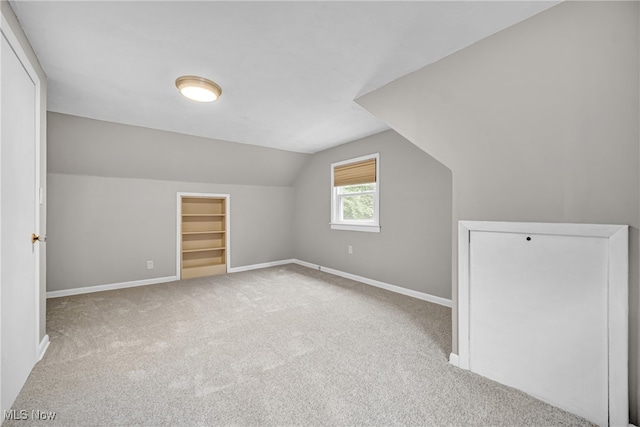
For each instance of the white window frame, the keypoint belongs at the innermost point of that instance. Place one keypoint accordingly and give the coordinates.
(336, 223)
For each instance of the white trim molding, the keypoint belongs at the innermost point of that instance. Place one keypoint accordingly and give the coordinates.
(307, 264)
(354, 227)
(42, 348)
(453, 359)
(393, 288)
(369, 227)
(258, 266)
(109, 287)
(155, 281)
(617, 294)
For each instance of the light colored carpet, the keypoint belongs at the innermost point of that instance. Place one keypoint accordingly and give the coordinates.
(279, 346)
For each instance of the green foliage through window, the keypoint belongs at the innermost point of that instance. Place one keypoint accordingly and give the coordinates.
(357, 206)
(358, 188)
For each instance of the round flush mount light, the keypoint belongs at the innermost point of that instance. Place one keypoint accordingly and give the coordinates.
(198, 88)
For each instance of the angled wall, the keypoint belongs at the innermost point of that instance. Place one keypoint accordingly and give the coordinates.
(82, 146)
(413, 247)
(539, 122)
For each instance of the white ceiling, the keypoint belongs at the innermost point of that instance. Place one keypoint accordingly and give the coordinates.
(289, 71)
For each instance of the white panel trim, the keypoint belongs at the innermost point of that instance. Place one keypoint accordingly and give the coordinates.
(618, 304)
(453, 359)
(179, 226)
(42, 349)
(393, 288)
(561, 229)
(261, 265)
(463, 295)
(109, 287)
(618, 312)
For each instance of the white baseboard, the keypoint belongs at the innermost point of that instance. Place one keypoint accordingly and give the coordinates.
(100, 288)
(307, 264)
(393, 288)
(42, 348)
(257, 266)
(145, 282)
(453, 359)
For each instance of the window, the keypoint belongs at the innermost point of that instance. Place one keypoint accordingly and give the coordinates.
(355, 191)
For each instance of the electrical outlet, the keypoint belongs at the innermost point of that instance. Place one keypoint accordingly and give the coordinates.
(350, 248)
(149, 265)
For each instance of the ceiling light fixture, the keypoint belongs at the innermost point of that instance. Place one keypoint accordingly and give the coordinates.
(198, 88)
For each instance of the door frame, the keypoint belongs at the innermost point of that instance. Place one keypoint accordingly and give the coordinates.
(7, 32)
(617, 291)
(227, 233)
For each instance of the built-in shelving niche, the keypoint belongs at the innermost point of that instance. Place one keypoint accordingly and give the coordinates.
(203, 236)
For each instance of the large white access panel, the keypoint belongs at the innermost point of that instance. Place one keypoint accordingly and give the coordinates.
(537, 308)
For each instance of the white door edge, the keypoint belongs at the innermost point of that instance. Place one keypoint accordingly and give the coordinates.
(7, 32)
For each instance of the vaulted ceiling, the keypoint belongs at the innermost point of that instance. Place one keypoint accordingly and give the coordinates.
(289, 71)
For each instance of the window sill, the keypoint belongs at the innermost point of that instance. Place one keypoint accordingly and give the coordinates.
(356, 227)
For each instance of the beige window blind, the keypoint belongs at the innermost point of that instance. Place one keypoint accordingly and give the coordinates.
(355, 173)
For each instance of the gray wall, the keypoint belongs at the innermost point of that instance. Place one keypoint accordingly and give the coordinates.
(104, 230)
(82, 146)
(112, 205)
(539, 122)
(7, 12)
(413, 249)
(112, 199)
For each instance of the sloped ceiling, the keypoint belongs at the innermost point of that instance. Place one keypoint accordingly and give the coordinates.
(289, 70)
